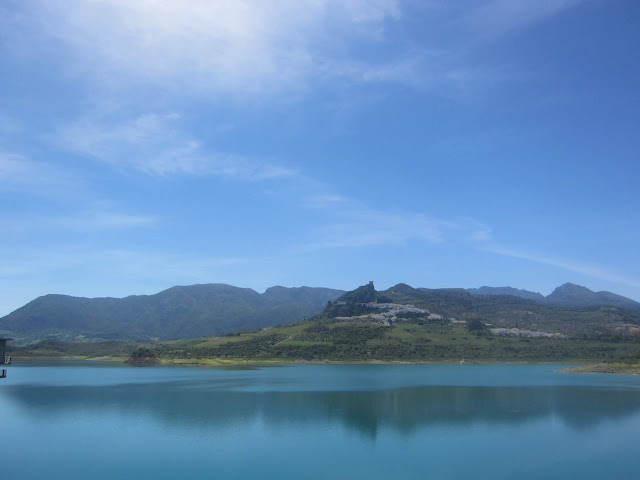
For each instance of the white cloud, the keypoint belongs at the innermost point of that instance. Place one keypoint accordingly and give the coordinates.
(239, 47)
(154, 144)
(251, 50)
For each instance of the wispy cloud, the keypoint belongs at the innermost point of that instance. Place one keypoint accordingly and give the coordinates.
(85, 221)
(327, 200)
(479, 232)
(240, 47)
(353, 224)
(379, 228)
(156, 145)
(582, 268)
(18, 173)
(16, 169)
(170, 267)
(494, 18)
(129, 263)
(254, 50)
(104, 220)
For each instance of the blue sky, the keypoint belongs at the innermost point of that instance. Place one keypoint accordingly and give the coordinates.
(145, 144)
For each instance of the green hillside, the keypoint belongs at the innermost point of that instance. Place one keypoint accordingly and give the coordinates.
(179, 312)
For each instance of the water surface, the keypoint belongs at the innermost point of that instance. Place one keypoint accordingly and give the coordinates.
(79, 420)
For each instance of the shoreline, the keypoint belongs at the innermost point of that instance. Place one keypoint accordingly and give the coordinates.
(579, 365)
(616, 368)
(241, 361)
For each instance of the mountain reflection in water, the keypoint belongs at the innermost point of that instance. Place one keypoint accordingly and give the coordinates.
(200, 404)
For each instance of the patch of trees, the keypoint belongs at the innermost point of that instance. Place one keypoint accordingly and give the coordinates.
(334, 310)
(476, 326)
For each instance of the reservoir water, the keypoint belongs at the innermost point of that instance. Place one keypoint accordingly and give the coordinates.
(105, 421)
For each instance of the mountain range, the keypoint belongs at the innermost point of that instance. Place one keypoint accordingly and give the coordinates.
(179, 312)
(567, 295)
(213, 309)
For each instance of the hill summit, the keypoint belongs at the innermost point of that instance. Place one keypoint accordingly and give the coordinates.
(577, 296)
(364, 294)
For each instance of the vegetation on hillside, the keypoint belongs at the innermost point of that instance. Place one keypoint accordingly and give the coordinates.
(402, 324)
(600, 322)
(179, 312)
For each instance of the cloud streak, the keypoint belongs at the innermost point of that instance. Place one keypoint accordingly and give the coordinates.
(589, 270)
(494, 18)
(83, 222)
(355, 225)
(372, 228)
(154, 144)
(171, 267)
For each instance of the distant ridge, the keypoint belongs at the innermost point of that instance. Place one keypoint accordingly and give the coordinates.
(567, 295)
(576, 296)
(178, 312)
(403, 324)
(214, 309)
(506, 291)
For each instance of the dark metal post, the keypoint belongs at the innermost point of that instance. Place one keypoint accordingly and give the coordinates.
(4, 359)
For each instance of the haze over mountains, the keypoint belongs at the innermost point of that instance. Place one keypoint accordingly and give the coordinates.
(212, 309)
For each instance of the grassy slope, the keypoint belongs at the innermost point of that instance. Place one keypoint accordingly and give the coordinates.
(327, 339)
(348, 341)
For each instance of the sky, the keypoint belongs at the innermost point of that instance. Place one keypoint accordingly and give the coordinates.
(146, 144)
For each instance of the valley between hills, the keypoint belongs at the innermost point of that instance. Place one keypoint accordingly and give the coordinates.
(400, 324)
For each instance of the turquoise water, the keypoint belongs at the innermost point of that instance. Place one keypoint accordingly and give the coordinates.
(99, 421)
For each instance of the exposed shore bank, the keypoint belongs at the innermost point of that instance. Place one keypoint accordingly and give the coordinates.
(581, 366)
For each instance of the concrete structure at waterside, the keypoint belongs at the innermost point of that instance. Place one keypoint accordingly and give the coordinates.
(4, 359)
